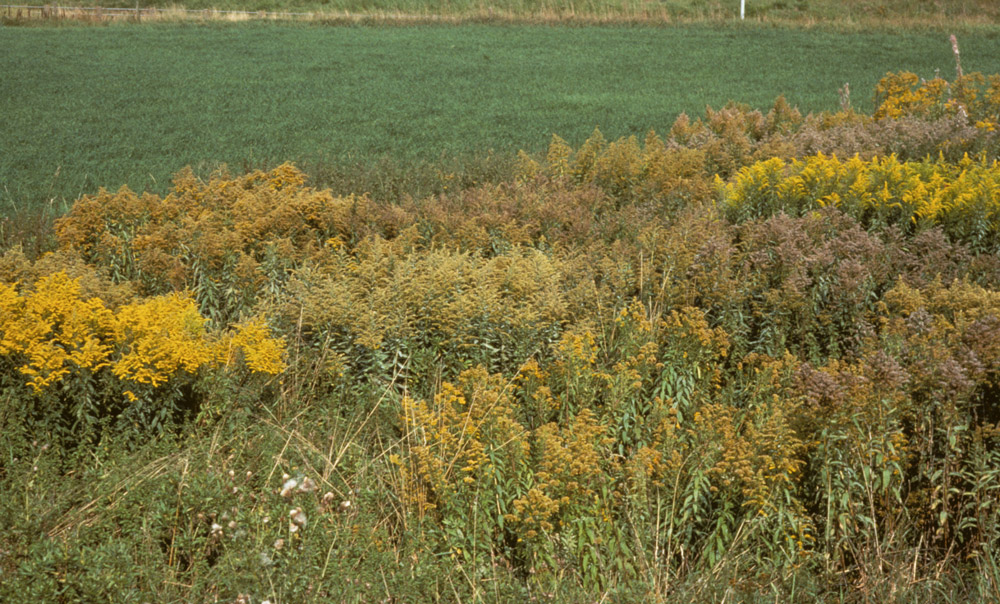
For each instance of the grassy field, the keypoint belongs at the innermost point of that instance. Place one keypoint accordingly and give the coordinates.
(92, 107)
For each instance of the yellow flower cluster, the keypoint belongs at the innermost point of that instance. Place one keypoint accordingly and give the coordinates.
(905, 93)
(622, 167)
(160, 337)
(54, 332)
(963, 197)
(242, 232)
(972, 96)
(384, 292)
(569, 473)
(466, 434)
(54, 329)
(262, 353)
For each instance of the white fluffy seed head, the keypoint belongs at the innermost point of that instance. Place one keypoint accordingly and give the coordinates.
(308, 485)
(297, 517)
(288, 487)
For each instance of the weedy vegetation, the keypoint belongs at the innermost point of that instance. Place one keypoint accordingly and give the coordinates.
(843, 14)
(753, 357)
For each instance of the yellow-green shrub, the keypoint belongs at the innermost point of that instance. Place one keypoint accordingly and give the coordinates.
(962, 197)
(127, 360)
(387, 304)
(464, 459)
(227, 240)
(624, 169)
(972, 95)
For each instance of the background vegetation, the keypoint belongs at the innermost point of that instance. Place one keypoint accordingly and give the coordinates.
(841, 13)
(90, 107)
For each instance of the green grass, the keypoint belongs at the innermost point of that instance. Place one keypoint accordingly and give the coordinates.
(91, 107)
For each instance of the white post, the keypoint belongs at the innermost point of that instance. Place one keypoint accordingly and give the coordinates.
(742, 4)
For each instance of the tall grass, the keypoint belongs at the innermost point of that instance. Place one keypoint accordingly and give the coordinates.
(841, 14)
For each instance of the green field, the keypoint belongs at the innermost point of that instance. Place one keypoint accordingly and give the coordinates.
(101, 107)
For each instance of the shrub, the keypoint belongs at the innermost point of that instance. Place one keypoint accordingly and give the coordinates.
(973, 96)
(84, 367)
(411, 315)
(228, 241)
(879, 193)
